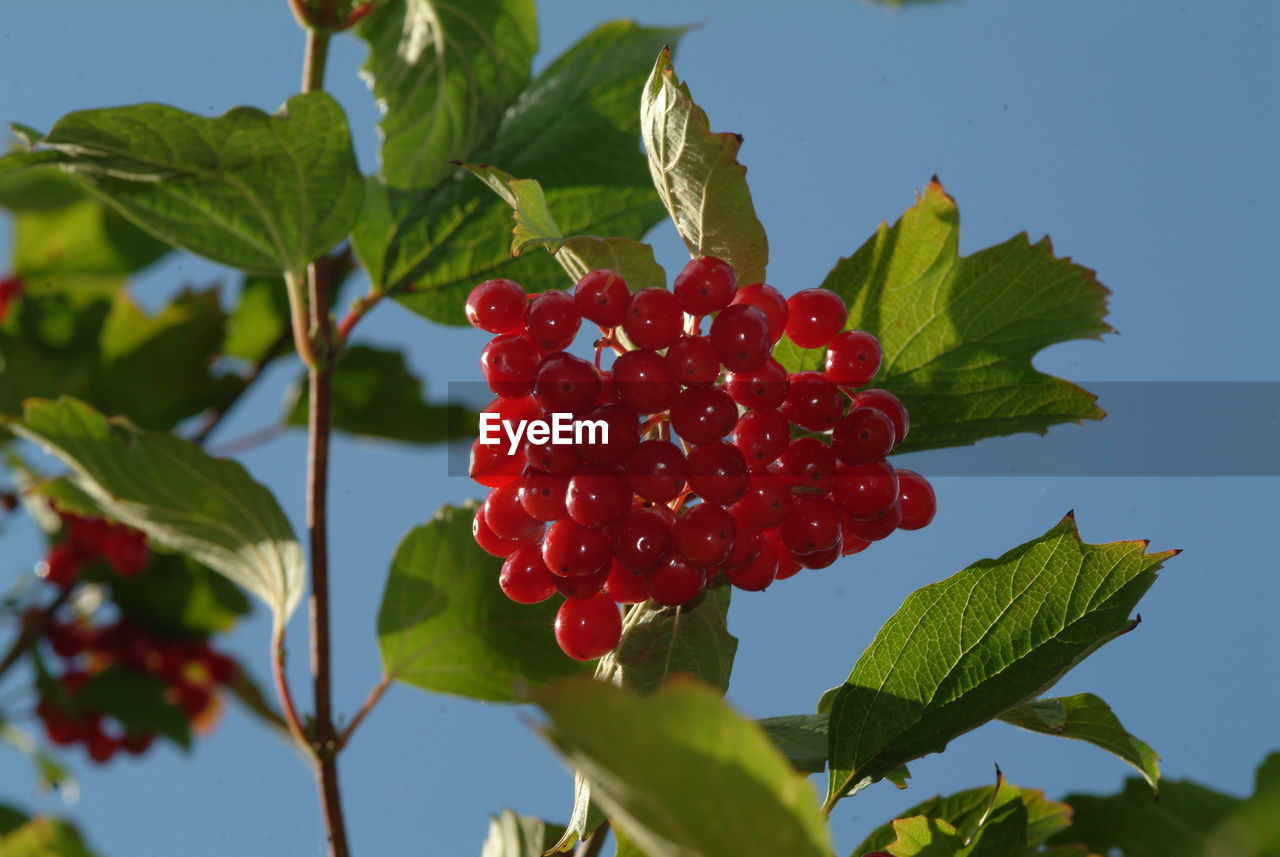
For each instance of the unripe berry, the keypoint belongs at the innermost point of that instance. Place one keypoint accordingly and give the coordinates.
(497, 306)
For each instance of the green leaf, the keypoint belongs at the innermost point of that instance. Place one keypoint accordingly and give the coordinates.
(177, 494)
(178, 596)
(444, 73)
(536, 226)
(375, 395)
(18, 163)
(260, 323)
(137, 700)
(267, 194)
(682, 772)
(84, 237)
(1188, 820)
(924, 837)
(698, 176)
(1086, 717)
(43, 836)
(446, 241)
(959, 333)
(42, 189)
(512, 835)
(960, 652)
(445, 626)
(802, 738)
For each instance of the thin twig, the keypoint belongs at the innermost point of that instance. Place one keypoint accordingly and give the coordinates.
(371, 701)
(287, 709)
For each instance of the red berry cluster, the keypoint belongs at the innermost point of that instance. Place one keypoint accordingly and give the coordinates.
(87, 540)
(191, 670)
(802, 482)
(10, 290)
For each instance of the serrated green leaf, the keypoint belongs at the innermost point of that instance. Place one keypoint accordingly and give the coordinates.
(375, 395)
(512, 835)
(537, 227)
(137, 701)
(444, 73)
(919, 836)
(264, 193)
(177, 494)
(698, 176)
(447, 240)
(684, 774)
(1086, 717)
(960, 652)
(959, 333)
(445, 626)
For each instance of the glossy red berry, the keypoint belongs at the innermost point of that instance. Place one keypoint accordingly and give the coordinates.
(508, 364)
(126, 551)
(812, 402)
(602, 297)
(890, 405)
(809, 465)
(615, 440)
(566, 384)
(506, 516)
(812, 525)
(866, 491)
(705, 285)
(656, 470)
(853, 358)
(588, 628)
(553, 320)
(497, 306)
(704, 535)
(542, 495)
(137, 743)
(740, 334)
(864, 435)
(583, 585)
(769, 301)
(814, 317)
(746, 541)
(572, 550)
(643, 539)
(525, 578)
(693, 361)
(822, 558)
(645, 384)
(491, 465)
(757, 574)
(879, 527)
(62, 565)
(761, 436)
(654, 319)
(764, 388)
(598, 496)
(626, 587)
(787, 564)
(717, 472)
(766, 501)
(851, 542)
(916, 499)
(676, 582)
(87, 535)
(703, 414)
(101, 746)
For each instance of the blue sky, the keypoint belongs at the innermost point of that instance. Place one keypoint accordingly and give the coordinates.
(1140, 136)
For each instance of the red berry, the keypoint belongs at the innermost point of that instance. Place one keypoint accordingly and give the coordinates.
(788, 566)
(193, 699)
(717, 472)
(86, 535)
(489, 541)
(809, 465)
(497, 306)
(622, 429)
(626, 587)
(766, 501)
(813, 402)
(740, 334)
(704, 535)
(693, 361)
(757, 574)
(598, 496)
(62, 730)
(853, 358)
(676, 582)
(508, 364)
(572, 550)
(582, 586)
(542, 495)
(705, 285)
(654, 319)
(917, 500)
(814, 317)
(812, 525)
(222, 668)
(656, 470)
(645, 384)
(608, 390)
(878, 527)
(703, 414)
(761, 436)
(566, 384)
(101, 746)
(525, 578)
(491, 465)
(553, 320)
(588, 628)
(746, 541)
(890, 405)
(62, 565)
(137, 743)
(602, 297)
(769, 301)
(866, 491)
(507, 518)
(764, 388)
(643, 539)
(68, 640)
(851, 542)
(864, 435)
(822, 558)
(126, 551)
(555, 458)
